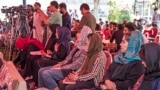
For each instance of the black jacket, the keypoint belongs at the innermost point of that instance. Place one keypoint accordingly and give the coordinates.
(125, 75)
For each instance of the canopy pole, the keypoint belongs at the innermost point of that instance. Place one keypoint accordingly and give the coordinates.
(24, 3)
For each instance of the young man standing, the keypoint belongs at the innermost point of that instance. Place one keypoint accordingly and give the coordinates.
(54, 18)
(66, 19)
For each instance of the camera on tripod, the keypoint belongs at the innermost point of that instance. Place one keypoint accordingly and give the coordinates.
(14, 10)
(6, 10)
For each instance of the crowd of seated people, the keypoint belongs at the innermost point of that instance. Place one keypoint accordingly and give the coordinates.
(34, 55)
(72, 62)
(127, 66)
(124, 72)
(56, 65)
(61, 50)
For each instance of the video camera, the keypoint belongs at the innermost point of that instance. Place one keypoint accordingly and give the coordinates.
(15, 9)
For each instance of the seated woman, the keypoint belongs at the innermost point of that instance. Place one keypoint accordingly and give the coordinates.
(49, 46)
(61, 50)
(72, 62)
(36, 54)
(149, 53)
(26, 45)
(92, 71)
(127, 67)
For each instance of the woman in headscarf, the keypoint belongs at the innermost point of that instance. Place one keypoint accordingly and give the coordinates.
(62, 47)
(149, 53)
(127, 67)
(72, 62)
(52, 37)
(26, 45)
(92, 70)
(61, 50)
(37, 54)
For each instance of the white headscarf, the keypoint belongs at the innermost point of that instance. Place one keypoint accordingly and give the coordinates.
(82, 42)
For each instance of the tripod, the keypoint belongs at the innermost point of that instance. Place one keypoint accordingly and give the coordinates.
(19, 29)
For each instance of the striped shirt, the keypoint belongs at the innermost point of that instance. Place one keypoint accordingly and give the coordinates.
(74, 60)
(98, 70)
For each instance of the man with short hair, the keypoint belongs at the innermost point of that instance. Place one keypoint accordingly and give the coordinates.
(54, 18)
(38, 32)
(66, 19)
(87, 19)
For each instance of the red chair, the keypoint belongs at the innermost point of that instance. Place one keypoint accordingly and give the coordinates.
(109, 59)
(137, 84)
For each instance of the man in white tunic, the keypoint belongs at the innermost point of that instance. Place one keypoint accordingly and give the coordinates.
(38, 32)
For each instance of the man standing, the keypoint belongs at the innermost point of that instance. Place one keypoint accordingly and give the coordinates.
(156, 17)
(54, 18)
(49, 13)
(87, 19)
(38, 32)
(66, 19)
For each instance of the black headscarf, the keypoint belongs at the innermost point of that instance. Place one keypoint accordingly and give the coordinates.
(53, 27)
(150, 54)
(52, 40)
(64, 35)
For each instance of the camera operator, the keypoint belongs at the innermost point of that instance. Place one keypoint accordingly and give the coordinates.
(37, 20)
